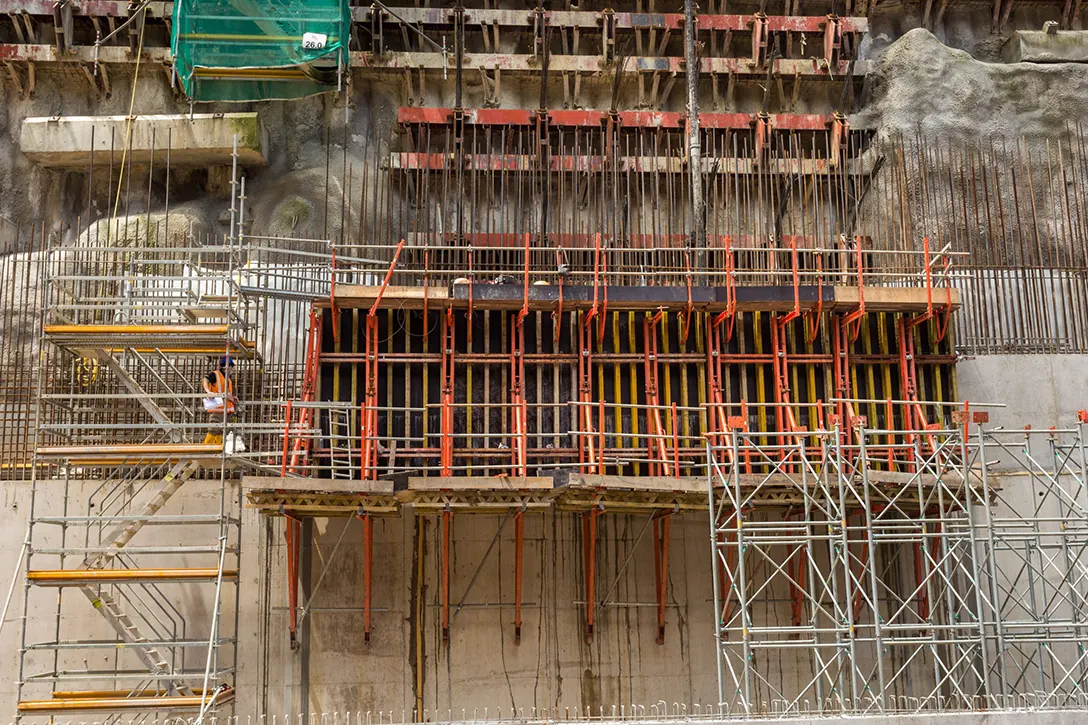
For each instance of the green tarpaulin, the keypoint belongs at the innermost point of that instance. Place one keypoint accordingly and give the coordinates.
(255, 50)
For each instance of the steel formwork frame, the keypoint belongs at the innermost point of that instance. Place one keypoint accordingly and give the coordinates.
(919, 577)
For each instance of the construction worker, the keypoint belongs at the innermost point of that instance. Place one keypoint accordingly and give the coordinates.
(220, 388)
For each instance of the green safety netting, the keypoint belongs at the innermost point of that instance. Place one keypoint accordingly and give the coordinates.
(255, 50)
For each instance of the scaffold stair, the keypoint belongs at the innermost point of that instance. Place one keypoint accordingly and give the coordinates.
(122, 623)
(120, 536)
(113, 543)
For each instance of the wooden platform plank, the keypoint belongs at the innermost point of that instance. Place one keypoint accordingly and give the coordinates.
(109, 704)
(107, 455)
(479, 483)
(655, 484)
(402, 297)
(895, 299)
(136, 330)
(339, 487)
(59, 577)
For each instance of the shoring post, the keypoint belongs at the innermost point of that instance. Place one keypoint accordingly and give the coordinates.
(716, 401)
(518, 411)
(447, 526)
(369, 427)
(586, 454)
(914, 417)
(840, 349)
(657, 450)
(518, 415)
(783, 412)
(368, 571)
(519, 545)
(589, 554)
(781, 374)
(311, 377)
(661, 568)
(293, 532)
(446, 456)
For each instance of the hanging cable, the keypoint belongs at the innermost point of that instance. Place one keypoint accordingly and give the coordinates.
(128, 119)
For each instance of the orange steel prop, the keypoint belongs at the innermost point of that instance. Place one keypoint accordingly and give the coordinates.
(661, 568)
(519, 540)
(589, 547)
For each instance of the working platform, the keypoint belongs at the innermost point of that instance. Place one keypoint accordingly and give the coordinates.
(195, 339)
(166, 703)
(81, 577)
(132, 454)
(770, 298)
(563, 491)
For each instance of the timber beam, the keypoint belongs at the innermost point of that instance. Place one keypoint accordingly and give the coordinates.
(564, 492)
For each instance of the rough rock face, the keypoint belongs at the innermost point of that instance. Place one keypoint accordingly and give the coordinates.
(184, 226)
(295, 206)
(923, 86)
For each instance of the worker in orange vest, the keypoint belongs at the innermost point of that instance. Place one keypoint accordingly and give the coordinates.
(220, 388)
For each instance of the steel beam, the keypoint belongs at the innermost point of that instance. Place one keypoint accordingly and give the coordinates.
(413, 116)
(366, 62)
(526, 63)
(592, 20)
(511, 163)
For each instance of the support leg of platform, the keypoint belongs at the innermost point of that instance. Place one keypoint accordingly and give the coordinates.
(589, 546)
(519, 541)
(368, 572)
(661, 569)
(447, 526)
(294, 549)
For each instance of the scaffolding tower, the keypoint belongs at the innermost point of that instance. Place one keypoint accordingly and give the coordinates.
(899, 570)
(130, 324)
